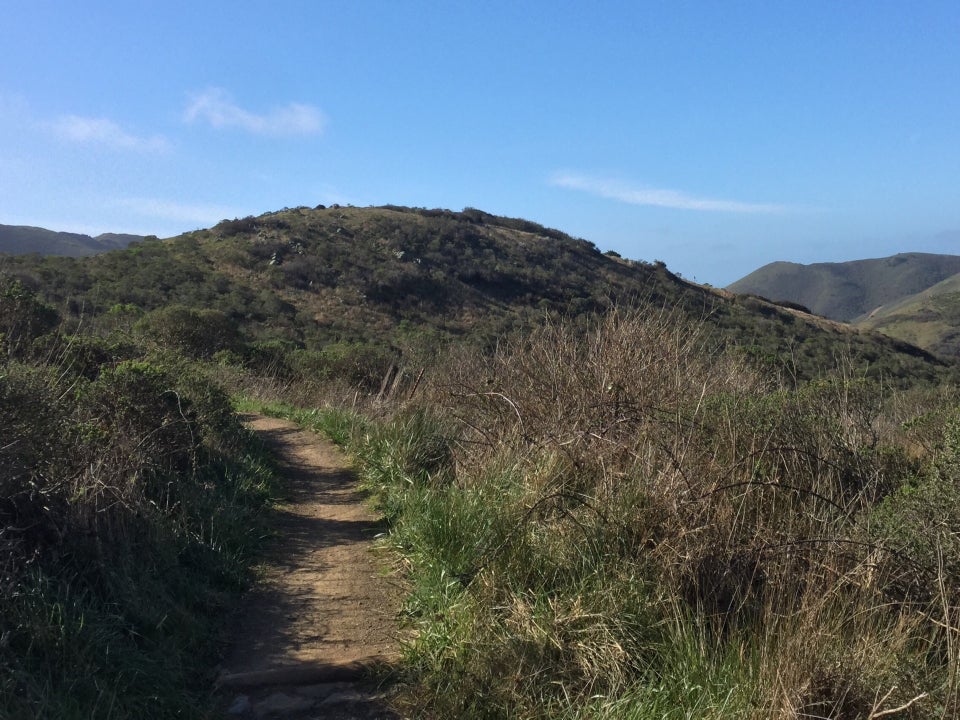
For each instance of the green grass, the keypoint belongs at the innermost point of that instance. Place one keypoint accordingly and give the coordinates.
(139, 635)
(555, 570)
(339, 424)
(930, 319)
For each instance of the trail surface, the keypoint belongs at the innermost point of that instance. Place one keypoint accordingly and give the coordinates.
(320, 626)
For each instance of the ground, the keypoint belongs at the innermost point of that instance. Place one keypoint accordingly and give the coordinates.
(319, 629)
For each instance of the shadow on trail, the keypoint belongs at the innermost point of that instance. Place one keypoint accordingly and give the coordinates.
(304, 480)
(317, 635)
(299, 536)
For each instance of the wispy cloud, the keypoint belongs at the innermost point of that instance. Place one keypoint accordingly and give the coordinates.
(215, 107)
(101, 131)
(657, 197)
(177, 212)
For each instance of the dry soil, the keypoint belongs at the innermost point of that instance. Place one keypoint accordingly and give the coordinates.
(317, 635)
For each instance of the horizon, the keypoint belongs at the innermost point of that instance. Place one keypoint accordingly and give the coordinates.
(676, 271)
(715, 139)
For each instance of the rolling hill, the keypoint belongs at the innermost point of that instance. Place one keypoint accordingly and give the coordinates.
(848, 290)
(394, 281)
(22, 239)
(929, 319)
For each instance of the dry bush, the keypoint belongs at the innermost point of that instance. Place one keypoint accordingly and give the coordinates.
(648, 469)
(641, 406)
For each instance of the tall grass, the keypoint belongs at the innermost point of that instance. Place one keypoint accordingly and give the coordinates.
(623, 522)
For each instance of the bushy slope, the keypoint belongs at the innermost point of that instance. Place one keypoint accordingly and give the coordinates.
(623, 523)
(845, 291)
(596, 481)
(22, 239)
(368, 287)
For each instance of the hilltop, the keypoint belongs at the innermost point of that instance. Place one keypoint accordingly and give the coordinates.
(847, 290)
(23, 239)
(906, 296)
(383, 282)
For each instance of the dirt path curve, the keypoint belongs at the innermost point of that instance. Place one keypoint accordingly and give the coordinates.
(321, 623)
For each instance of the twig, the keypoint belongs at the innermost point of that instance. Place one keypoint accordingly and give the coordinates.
(881, 701)
(883, 713)
(508, 400)
(769, 483)
(416, 384)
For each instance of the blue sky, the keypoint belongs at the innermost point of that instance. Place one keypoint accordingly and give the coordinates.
(716, 136)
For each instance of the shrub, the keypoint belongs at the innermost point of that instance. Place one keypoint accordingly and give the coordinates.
(241, 226)
(128, 508)
(23, 316)
(196, 333)
(623, 510)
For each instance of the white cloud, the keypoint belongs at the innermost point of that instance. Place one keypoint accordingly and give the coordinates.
(176, 212)
(215, 107)
(615, 190)
(102, 131)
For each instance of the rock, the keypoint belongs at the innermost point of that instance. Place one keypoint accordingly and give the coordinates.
(239, 706)
(347, 696)
(322, 690)
(280, 703)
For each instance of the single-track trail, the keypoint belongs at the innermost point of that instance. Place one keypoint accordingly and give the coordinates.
(320, 625)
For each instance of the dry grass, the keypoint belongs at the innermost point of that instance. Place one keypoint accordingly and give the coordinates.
(627, 523)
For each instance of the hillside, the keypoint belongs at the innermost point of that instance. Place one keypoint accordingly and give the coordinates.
(845, 291)
(649, 507)
(22, 239)
(929, 319)
(389, 282)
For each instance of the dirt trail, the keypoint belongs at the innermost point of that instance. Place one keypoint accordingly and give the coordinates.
(321, 623)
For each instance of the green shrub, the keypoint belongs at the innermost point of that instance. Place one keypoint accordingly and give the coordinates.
(196, 333)
(129, 508)
(920, 526)
(23, 316)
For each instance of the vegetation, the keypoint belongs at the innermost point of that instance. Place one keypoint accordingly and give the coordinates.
(129, 497)
(627, 523)
(613, 493)
(300, 292)
(930, 319)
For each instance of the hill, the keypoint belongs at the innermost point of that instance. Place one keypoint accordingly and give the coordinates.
(659, 482)
(22, 239)
(845, 291)
(929, 319)
(387, 284)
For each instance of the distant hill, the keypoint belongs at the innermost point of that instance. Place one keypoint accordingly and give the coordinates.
(848, 290)
(23, 239)
(929, 319)
(410, 280)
